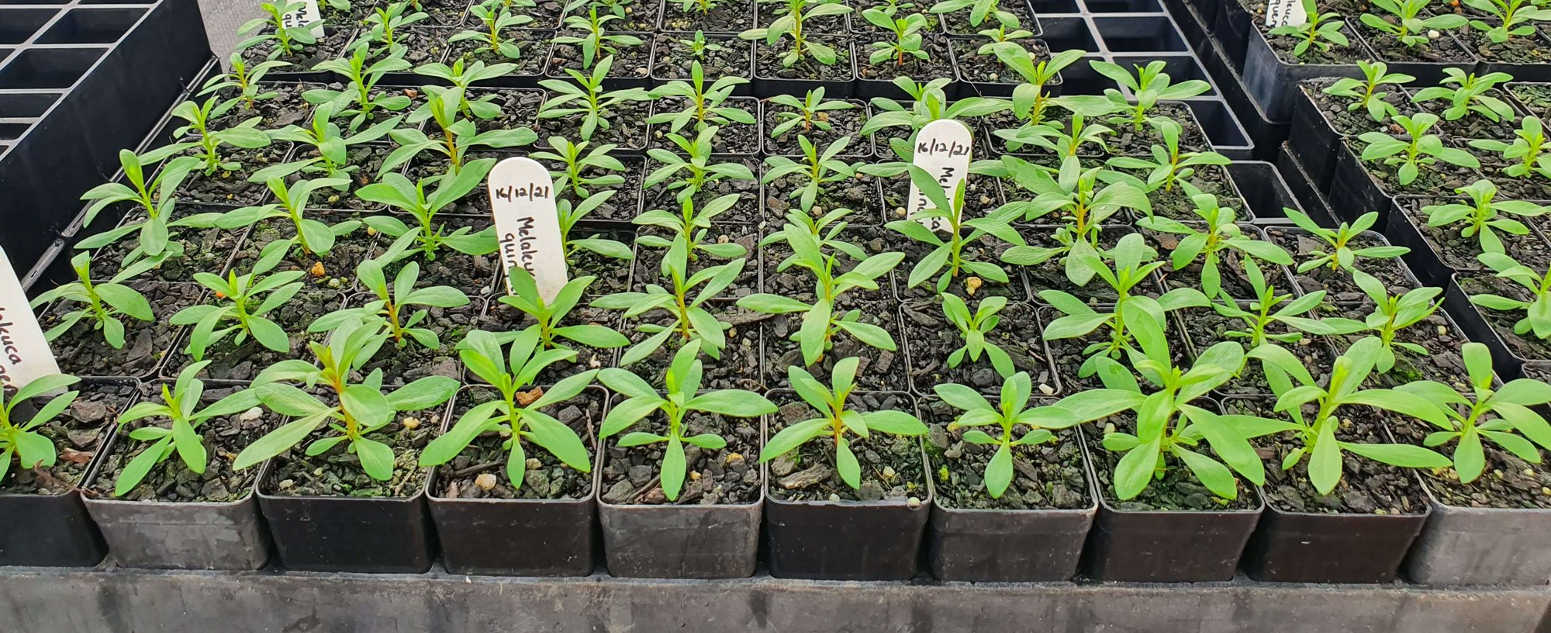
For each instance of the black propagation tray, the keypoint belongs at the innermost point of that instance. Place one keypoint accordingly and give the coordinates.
(80, 79)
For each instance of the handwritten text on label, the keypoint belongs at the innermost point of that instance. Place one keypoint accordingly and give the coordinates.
(942, 149)
(24, 352)
(522, 202)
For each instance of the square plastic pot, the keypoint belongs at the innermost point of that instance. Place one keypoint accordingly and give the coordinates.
(1313, 141)
(1273, 83)
(348, 534)
(845, 540)
(1354, 192)
(174, 535)
(1165, 546)
(48, 531)
(1474, 323)
(765, 87)
(1314, 547)
(681, 541)
(1481, 546)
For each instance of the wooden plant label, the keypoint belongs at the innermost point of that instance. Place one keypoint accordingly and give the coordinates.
(942, 150)
(522, 200)
(308, 14)
(1285, 12)
(24, 352)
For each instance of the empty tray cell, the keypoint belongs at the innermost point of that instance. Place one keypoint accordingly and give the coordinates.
(1081, 79)
(25, 104)
(16, 25)
(1047, 7)
(5, 52)
(1221, 128)
(1067, 33)
(11, 129)
(47, 67)
(1123, 6)
(92, 26)
(1139, 33)
(1178, 67)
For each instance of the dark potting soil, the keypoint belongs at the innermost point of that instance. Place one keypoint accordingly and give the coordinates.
(1442, 363)
(171, 480)
(738, 366)
(404, 362)
(1366, 486)
(630, 62)
(1230, 267)
(286, 107)
(1507, 481)
(1207, 328)
(612, 275)
(648, 262)
(639, 15)
(674, 60)
(1535, 96)
(1051, 275)
(891, 465)
(623, 206)
(981, 197)
(1129, 140)
(232, 187)
(858, 193)
(799, 283)
(846, 122)
(500, 317)
(1349, 122)
(1283, 45)
(1067, 355)
(545, 13)
(532, 50)
(204, 251)
(1046, 476)
(233, 361)
(929, 339)
(937, 64)
(82, 351)
(626, 128)
(965, 283)
(987, 68)
(1174, 201)
(1526, 346)
(77, 433)
(338, 473)
(519, 107)
(727, 17)
(1444, 48)
(729, 476)
(1519, 49)
(958, 22)
(1459, 252)
(423, 44)
(731, 137)
(1338, 283)
(443, 12)
(879, 369)
(545, 476)
(475, 275)
(367, 158)
(334, 270)
(1473, 125)
(1178, 488)
(767, 59)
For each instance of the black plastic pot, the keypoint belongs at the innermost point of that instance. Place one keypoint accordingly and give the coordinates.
(350, 534)
(1223, 130)
(1314, 141)
(515, 537)
(658, 79)
(765, 87)
(844, 540)
(1164, 546)
(1423, 259)
(648, 40)
(1505, 362)
(1302, 187)
(1266, 193)
(1522, 72)
(1481, 546)
(48, 531)
(174, 535)
(681, 541)
(1263, 135)
(1007, 545)
(1273, 82)
(1314, 547)
(1354, 192)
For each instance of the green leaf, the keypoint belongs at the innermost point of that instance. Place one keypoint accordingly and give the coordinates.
(376, 458)
(999, 472)
(791, 437)
(845, 463)
(673, 468)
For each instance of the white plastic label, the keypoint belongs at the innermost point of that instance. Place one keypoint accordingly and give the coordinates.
(308, 14)
(522, 200)
(942, 150)
(24, 352)
(1285, 12)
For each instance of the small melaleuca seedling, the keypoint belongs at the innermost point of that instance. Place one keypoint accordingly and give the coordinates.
(1484, 215)
(244, 80)
(398, 192)
(812, 112)
(360, 100)
(1536, 312)
(1215, 236)
(101, 304)
(814, 172)
(1011, 414)
(154, 197)
(580, 176)
(1320, 31)
(516, 419)
(586, 98)
(680, 397)
(457, 135)
(315, 237)
(353, 409)
(1502, 415)
(570, 214)
(692, 321)
(706, 106)
(20, 438)
(496, 19)
(792, 22)
(690, 227)
(973, 328)
(836, 420)
(1169, 166)
(1468, 94)
(288, 39)
(327, 152)
(1418, 147)
(207, 143)
(1341, 255)
(1528, 155)
(1368, 94)
(179, 406)
(1081, 204)
(548, 316)
(241, 305)
(1391, 314)
(690, 173)
(947, 255)
(401, 305)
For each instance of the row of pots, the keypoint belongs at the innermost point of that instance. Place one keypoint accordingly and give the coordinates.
(878, 540)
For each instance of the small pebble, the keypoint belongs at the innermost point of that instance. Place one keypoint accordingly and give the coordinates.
(913, 503)
(251, 414)
(485, 481)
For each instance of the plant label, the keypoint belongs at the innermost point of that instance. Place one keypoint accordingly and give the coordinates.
(522, 199)
(24, 352)
(1285, 12)
(942, 150)
(307, 14)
